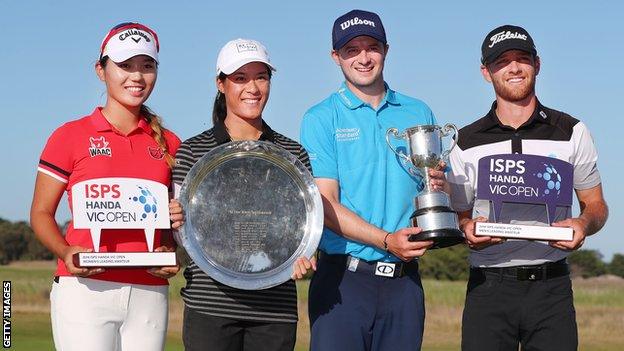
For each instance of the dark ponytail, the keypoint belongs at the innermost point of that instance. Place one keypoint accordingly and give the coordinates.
(155, 123)
(219, 110)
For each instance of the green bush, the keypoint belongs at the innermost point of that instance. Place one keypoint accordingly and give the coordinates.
(445, 264)
(616, 267)
(12, 240)
(587, 263)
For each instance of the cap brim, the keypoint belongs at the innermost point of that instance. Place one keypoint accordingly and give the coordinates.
(229, 69)
(494, 54)
(343, 41)
(124, 55)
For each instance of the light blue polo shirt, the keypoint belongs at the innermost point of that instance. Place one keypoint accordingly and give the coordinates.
(345, 139)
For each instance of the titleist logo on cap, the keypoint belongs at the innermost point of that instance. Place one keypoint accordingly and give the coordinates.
(498, 37)
(356, 21)
(241, 47)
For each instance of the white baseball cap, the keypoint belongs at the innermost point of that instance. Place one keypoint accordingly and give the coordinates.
(239, 52)
(129, 39)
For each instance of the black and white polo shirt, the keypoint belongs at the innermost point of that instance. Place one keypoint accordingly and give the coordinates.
(206, 295)
(548, 133)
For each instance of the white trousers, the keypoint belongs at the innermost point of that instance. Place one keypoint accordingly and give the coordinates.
(96, 315)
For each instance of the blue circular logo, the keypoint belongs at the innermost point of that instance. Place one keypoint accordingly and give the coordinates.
(147, 201)
(552, 180)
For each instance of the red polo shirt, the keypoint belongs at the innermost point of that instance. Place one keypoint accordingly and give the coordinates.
(90, 148)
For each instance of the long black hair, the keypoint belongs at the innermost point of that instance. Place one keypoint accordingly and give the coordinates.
(219, 110)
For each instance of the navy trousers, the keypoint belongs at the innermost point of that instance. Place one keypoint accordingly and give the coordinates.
(362, 311)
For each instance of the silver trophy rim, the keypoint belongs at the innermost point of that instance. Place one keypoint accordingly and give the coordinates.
(290, 164)
(425, 127)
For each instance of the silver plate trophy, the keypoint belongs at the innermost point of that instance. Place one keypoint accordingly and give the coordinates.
(252, 209)
(433, 207)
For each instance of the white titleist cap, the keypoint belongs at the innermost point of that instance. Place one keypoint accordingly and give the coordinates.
(130, 39)
(239, 52)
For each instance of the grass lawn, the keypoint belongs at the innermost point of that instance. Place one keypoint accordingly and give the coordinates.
(599, 305)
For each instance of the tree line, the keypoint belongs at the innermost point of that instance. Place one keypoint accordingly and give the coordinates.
(18, 243)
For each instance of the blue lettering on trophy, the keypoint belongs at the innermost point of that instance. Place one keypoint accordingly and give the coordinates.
(111, 217)
(102, 205)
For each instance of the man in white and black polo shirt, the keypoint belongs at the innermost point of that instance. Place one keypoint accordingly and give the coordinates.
(505, 305)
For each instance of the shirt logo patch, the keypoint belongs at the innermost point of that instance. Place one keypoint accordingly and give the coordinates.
(156, 152)
(347, 134)
(99, 147)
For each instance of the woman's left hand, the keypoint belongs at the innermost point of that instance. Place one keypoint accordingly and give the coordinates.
(164, 272)
(176, 214)
(301, 267)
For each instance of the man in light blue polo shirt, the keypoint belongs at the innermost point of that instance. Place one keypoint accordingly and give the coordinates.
(366, 293)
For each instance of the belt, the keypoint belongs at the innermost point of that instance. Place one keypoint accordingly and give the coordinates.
(544, 271)
(383, 269)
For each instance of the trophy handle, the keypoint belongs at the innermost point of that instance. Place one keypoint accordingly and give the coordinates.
(410, 167)
(447, 130)
(395, 133)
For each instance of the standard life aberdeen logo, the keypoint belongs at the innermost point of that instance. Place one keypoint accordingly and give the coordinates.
(530, 179)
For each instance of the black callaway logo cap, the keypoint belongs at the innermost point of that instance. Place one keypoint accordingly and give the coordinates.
(506, 38)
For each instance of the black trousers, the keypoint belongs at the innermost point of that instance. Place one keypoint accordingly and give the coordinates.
(502, 312)
(206, 332)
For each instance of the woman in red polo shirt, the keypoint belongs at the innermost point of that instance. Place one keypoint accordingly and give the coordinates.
(121, 308)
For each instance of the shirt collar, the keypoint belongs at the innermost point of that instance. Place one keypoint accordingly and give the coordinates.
(351, 101)
(102, 124)
(221, 135)
(539, 115)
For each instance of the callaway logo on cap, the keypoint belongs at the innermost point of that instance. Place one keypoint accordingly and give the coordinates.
(129, 39)
(355, 23)
(506, 38)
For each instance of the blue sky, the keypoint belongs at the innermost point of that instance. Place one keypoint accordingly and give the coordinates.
(48, 51)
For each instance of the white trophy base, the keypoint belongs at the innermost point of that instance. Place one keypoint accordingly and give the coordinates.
(124, 259)
(520, 231)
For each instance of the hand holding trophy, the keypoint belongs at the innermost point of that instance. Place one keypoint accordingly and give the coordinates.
(433, 214)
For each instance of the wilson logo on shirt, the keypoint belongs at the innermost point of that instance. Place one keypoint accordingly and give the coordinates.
(99, 147)
(156, 152)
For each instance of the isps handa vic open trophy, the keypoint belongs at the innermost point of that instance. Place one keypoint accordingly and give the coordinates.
(121, 203)
(433, 213)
